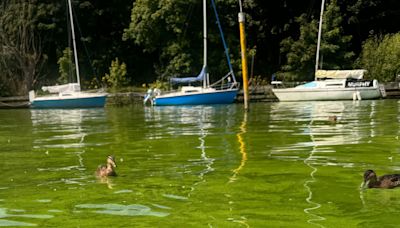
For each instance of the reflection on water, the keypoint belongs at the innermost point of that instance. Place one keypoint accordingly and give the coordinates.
(204, 159)
(165, 120)
(6, 222)
(242, 149)
(66, 124)
(62, 133)
(323, 135)
(280, 165)
(314, 205)
(123, 210)
(325, 144)
(181, 120)
(199, 120)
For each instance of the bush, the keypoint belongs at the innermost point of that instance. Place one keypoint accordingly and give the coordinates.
(117, 76)
(159, 85)
(380, 57)
(66, 67)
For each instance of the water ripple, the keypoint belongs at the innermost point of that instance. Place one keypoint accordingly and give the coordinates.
(122, 210)
(6, 222)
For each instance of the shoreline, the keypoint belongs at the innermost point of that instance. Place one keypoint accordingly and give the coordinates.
(257, 94)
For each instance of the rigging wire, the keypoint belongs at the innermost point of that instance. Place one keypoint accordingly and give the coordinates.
(223, 38)
(70, 70)
(188, 17)
(84, 45)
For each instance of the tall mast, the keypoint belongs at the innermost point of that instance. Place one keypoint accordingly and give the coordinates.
(71, 18)
(319, 35)
(205, 81)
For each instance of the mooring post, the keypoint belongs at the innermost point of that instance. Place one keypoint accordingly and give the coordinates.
(244, 57)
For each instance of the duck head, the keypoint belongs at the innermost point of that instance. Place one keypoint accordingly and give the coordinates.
(369, 177)
(332, 119)
(108, 169)
(111, 161)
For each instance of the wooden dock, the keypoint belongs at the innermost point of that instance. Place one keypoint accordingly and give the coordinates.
(122, 99)
(392, 90)
(14, 102)
(258, 94)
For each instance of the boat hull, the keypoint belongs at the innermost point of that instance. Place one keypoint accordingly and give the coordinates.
(86, 101)
(326, 94)
(204, 98)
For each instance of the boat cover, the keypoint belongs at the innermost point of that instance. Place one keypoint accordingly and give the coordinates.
(71, 87)
(188, 80)
(340, 74)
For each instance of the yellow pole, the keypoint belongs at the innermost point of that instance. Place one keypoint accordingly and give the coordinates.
(244, 60)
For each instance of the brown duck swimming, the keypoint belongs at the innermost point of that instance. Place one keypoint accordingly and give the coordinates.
(332, 119)
(385, 181)
(108, 169)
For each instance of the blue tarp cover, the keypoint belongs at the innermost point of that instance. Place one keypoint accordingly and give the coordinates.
(188, 80)
(308, 85)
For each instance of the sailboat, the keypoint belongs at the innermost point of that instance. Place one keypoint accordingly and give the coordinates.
(223, 91)
(68, 95)
(331, 84)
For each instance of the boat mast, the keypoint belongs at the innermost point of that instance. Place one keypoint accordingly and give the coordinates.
(205, 81)
(74, 43)
(319, 36)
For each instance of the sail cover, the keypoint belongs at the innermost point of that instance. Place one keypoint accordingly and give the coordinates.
(188, 80)
(71, 87)
(340, 74)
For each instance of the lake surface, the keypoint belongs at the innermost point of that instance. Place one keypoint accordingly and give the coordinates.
(280, 165)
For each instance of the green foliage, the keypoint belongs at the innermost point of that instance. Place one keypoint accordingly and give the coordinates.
(380, 57)
(172, 30)
(334, 51)
(117, 75)
(160, 26)
(300, 53)
(66, 67)
(21, 55)
(164, 38)
(159, 85)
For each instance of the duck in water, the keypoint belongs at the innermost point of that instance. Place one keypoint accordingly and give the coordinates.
(108, 169)
(385, 181)
(332, 119)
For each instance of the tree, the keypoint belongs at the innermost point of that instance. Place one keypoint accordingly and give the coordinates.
(161, 27)
(380, 57)
(21, 56)
(66, 68)
(335, 44)
(172, 29)
(300, 54)
(116, 78)
(334, 52)
(99, 27)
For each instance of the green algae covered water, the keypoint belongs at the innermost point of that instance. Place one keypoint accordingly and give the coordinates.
(280, 165)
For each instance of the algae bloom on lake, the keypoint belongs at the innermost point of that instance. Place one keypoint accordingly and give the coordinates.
(279, 165)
